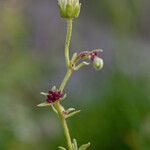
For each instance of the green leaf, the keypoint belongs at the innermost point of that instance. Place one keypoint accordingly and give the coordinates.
(53, 88)
(74, 144)
(50, 104)
(44, 104)
(85, 146)
(64, 97)
(74, 57)
(70, 110)
(62, 148)
(54, 109)
(84, 63)
(97, 50)
(72, 114)
(43, 93)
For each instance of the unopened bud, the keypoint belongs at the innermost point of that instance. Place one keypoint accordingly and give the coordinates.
(98, 63)
(69, 8)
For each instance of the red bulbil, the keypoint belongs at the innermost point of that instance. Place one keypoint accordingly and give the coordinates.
(54, 96)
(93, 55)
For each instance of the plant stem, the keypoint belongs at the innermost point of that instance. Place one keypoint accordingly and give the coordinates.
(66, 78)
(60, 113)
(68, 38)
(64, 124)
(63, 84)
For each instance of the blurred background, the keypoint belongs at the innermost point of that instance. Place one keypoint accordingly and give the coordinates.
(115, 102)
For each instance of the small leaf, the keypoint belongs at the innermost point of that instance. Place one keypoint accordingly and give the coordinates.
(64, 97)
(69, 110)
(97, 50)
(74, 57)
(44, 104)
(43, 93)
(54, 109)
(62, 148)
(53, 88)
(62, 108)
(84, 63)
(72, 114)
(85, 146)
(74, 144)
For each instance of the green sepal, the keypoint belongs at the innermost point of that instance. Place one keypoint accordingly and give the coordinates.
(62, 12)
(69, 10)
(85, 146)
(76, 11)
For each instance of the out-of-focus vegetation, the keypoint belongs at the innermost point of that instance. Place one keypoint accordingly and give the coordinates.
(114, 102)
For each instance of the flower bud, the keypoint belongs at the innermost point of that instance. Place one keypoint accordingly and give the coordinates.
(54, 95)
(69, 8)
(98, 63)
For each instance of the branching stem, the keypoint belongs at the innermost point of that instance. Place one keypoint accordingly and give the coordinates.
(63, 84)
(60, 113)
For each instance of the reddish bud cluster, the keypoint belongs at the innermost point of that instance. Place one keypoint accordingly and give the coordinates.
(54, 95)
(93, 55)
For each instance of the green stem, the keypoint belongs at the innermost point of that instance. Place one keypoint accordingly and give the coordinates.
(61, 116)
(64, 125)
(63, 84)
(66, 78)
(68, 38)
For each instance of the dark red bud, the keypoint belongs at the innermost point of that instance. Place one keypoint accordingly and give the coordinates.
(54, 95)
(93, 55)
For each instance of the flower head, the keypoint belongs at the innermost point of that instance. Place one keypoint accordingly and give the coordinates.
(93, 55)
(97, 62)
(54, 95)
(69, 8)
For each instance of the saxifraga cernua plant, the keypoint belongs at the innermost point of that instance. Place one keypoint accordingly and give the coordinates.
(69, 10)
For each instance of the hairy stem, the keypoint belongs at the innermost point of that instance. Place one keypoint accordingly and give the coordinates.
(66, 78)
(64, 125)
(63, 84)
(68, 38)
(60, 113)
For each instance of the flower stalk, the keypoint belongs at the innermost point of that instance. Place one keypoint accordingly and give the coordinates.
(64, 125)
(70, 9)
(68, 39)
(60, 113)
